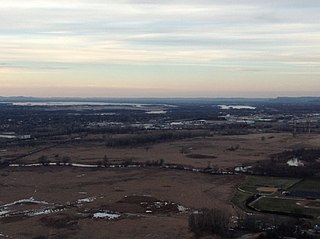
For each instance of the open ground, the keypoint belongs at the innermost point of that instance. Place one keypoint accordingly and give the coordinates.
(61, 202)
(66, 202)
(216, 150)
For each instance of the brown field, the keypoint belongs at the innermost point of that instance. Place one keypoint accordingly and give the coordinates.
(267, 190)
(213, 150)
(146, 199)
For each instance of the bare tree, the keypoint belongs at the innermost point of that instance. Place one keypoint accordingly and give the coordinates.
(209, 221)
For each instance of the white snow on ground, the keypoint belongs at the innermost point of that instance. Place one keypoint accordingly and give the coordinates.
(22, 201)
(54, 164)
(31, 213)
(295, 163)
(243, 169)
(84, 165)
(43, 212)
(33, 165)
(40, 212)
(106, 215)
(182, 208)
(84, 200)
(14, 165)
(3, 213)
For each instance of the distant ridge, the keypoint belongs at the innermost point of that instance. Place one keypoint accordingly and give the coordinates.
(281, 100)
(135, 100)
(297, 100)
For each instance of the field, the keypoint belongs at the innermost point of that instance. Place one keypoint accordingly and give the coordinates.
(64, 202)
(285, 205)
(254, 184)
(251, 184)
(68, 202)
(216, 150)
(273, 201)
(311, 185)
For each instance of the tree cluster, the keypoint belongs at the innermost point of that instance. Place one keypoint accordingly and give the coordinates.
(209, 222)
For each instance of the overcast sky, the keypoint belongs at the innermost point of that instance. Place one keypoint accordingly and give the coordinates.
(149, 48)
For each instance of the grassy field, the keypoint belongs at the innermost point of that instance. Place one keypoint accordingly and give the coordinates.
(239, 199)
(251, 183)
(209, 150)
(276, 203)
(272, 204)
(311, 185)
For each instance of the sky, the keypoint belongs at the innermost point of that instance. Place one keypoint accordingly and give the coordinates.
(164, 48)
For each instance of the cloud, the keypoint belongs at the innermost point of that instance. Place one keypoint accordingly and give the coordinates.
(227, 35)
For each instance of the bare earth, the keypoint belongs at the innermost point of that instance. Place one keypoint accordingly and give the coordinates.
(251, 148)
(61, 202)
(102, 190)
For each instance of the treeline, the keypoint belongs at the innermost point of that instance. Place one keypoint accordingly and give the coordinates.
(270, 168)
(275, 227)
(209, 222)
(309, 155)
(277, 164)
(204, 222)
(152, 138)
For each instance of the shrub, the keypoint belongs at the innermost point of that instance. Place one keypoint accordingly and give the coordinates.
(209, 221)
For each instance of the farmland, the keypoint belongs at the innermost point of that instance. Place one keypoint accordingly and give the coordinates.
(118, 171)
(71, 197)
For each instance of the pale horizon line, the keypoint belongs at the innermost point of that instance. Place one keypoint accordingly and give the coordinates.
(142, 97)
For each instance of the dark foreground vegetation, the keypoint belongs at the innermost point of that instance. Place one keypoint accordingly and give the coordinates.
(206, 222)
(277, 164)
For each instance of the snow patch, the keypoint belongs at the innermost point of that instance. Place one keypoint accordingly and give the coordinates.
(295, 163)
(182, 208)
(43, 212)
(86, 200)
(84, 165)
(106, 215)
(4, 212)
(23, 201)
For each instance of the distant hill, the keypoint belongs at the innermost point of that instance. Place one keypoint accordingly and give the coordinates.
(278, 100)
(296, 100)
(139, 100)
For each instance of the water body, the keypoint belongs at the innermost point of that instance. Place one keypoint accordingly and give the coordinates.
(237, 107)
(71, 103)
(156, 112)
(7, 136)
(75, 104)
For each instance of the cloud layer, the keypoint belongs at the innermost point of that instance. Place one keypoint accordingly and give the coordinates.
(161, 44)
